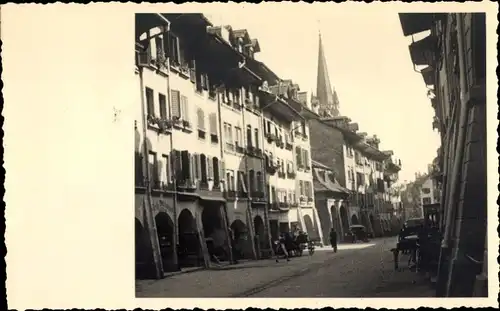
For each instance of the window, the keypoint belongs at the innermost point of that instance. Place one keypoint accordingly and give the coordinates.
(238, 137)
(213, 128)
(201, 123)
(306, 158)
(153, 168)
(426, 201)
(259, 181)
(256, 131)
(150, 102)
(174, 49)
(251, 180)
(228, 135)
(269, 126)
(159, 47)
(426, 190)
(301, 187)
(242, 187)
(233, 181)
(249, 136)
(298, 155)
(176, 103)
(166, 172)
(163, 105)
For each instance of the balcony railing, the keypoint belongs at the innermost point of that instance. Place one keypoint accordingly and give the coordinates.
(239, 149)
(281, 174)
(258, 196)
(230, 194)
(283, 205)
(270, 137)
(288, 146)
(291, 175)
(280, 144)
(271, 169)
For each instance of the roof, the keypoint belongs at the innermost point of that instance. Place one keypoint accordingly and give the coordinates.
(327, 184)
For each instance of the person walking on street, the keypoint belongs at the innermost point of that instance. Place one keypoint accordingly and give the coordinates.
(333, 239)
(281, 245)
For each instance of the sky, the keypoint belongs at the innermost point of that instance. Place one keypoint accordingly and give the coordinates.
(369, 66)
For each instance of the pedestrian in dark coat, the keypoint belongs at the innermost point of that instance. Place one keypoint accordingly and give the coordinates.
(333, 239)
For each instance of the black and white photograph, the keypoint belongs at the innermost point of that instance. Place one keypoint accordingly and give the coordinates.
(285, 155)
(248, 184)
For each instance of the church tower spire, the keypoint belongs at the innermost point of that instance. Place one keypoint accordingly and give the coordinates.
(326, 97)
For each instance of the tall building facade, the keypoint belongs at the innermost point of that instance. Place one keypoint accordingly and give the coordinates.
(215, 149)
(453, 62)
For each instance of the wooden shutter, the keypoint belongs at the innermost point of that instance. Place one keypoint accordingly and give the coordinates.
(298, 154)
(177, 164)
(184, 108)
(213, 124)
(210, 170)
(201, 119)
(203, 167)
(186, 164)
(222, 170)
(192, 167)
(216, 171)
(306, 157)
(176, 103)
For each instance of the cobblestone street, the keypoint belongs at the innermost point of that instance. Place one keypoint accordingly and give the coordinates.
(359, 270)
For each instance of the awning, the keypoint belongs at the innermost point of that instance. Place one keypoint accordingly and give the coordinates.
(279, 107)
(428, 75)
(413, 23)
(147, 21)
(422, 51)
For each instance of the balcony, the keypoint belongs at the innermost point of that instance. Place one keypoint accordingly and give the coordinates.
(280, 144)
(254, 152)
(258, 196)
(186, 185)
(281, 175)
(270, 137)
(239, 149)
(271, 169)
(242, 194)
(283, 205)
(162, 125)
(288, 146)
(230, 195)
(291, 175)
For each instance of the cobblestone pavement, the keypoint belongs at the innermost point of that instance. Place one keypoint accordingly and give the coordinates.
(354, 271)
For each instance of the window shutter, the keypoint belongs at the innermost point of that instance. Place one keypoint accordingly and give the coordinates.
(176, 160)
(176, 108)
(186, 164)
(201, 119)
(185, 108)
(192, 72)
(210, 171)
(222, 169)
(192, 167)
(203, 168)
(213, 123)
(306, 158)
(298, 154)
(216, 171)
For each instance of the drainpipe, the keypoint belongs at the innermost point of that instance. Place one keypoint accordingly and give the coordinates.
(245, 161)
(153, 234)
(226, 217)
(267, 222)
(458, 162)
(172, 160)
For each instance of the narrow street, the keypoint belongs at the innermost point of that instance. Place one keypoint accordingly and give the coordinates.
(358, 270)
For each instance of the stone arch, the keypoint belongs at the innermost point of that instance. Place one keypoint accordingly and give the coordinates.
(354, 220)
(165, 230)
(186, 222)
(344, 218)
(309, 224)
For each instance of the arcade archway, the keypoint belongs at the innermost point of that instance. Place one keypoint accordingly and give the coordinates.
(354, 220)
(165, 230)
(309, 224)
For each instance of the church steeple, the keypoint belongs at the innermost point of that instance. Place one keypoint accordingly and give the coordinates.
(326, 97)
